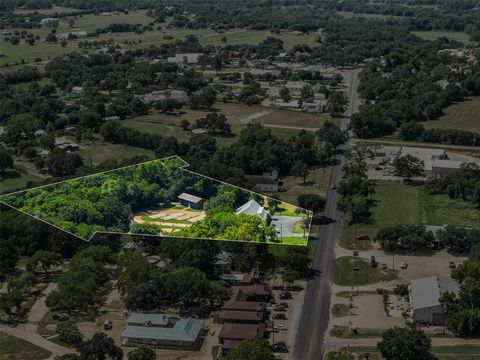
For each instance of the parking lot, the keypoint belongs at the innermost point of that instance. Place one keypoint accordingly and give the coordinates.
(285, 330)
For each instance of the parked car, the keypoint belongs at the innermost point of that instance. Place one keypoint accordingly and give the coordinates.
(363, 237)
(384, 266)
(403, 265)
(285, 295)
(280, 327)
(280, 308)
(452, 265)
(279, 343)
(280, 349)
(284, 304)
(279, 316)
(108, 325)
(334, 187)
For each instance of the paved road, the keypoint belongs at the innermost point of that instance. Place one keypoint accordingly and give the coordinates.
(309, 343)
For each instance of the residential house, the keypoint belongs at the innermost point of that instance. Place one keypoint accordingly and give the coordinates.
(72, 34)
(253, 208)
(223, 262)
(76, 91)
(183, 59)
(425, 296)
(162, 95)
(48, 21)
(236, 277)
(266, 182)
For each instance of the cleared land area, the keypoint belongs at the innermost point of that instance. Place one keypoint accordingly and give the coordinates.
(464, 115)
(13, 348)
(101, 152)
(14, 54)
(238, 115)
(396, 203)
(453, 35)
(317, 182)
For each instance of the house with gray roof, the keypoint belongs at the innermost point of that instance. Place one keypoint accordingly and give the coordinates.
(425, 294)
(163, 331)
(253, 208)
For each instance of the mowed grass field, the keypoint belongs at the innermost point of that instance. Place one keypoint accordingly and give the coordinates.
(13, 180)
(434, 35)
(396, 203)
(95, 154)
(464, 115)
(13, 54)
(13, 348)
(237, 115)
(454, 352)
(344, 274)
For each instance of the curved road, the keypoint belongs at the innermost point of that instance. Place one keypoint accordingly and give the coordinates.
(309, 342)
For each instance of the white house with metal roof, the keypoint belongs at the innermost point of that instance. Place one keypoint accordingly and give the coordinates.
(425, 294)
(253, 208)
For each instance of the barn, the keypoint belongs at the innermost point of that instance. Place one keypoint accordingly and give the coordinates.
(191, 201)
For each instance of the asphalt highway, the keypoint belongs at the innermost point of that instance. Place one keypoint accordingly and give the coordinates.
(309, 342)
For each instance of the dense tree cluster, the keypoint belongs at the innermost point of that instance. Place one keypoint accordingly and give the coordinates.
(462, 184)
(78, 287)
(355, 188)
(463, 310)
(404, 238)
(146, 288)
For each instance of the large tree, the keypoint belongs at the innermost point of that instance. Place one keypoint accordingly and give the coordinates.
(45, 259)
(100, 347)
(142, 353)
(405, 344)
(252, 350)
(408, 166)
(6, 161)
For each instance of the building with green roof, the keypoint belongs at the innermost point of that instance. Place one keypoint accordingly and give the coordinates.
(163, 331)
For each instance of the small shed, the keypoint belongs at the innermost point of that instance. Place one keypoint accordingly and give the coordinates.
(191, 201)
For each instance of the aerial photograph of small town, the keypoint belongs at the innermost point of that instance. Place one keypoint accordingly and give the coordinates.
(240, 179)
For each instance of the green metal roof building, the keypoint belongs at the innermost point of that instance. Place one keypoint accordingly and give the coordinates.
(162, 331)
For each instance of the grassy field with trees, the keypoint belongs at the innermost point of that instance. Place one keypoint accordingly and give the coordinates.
(464, 116)
(14, 348)
(396, 203)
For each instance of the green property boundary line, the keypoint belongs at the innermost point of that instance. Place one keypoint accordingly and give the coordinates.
(182, 168)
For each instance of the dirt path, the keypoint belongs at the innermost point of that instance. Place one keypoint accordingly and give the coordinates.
(249, 118)
(292, 127)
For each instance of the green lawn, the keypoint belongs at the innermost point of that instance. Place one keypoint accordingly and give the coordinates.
(13, 348)
(344, 274)
(340, 310)
(362, 333)
(350, 14)
(293, 118)
(453, 35)
(458, 352)
(464, 116)
(98, 153)
(14, 180)
(339, 355)
(396, 203)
